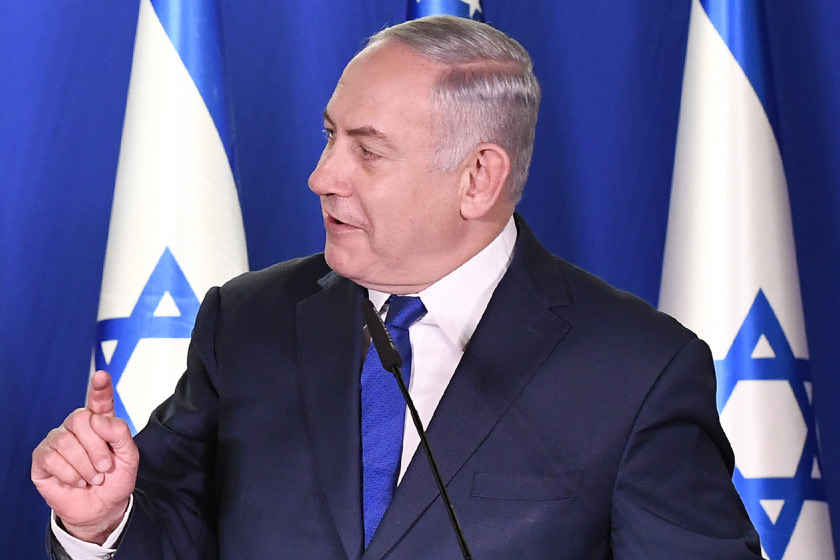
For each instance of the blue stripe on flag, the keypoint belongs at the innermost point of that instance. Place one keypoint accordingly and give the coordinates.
(421, 8)
(194, 29)
(742, 25)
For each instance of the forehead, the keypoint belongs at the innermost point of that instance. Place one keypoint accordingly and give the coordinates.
(385, 81)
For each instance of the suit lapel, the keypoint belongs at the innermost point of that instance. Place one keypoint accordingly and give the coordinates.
(329, 328)
(514, 337)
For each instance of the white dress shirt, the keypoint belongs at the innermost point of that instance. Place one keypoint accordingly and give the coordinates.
(454, 306)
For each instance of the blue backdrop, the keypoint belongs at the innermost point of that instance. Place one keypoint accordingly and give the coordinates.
(597, 195)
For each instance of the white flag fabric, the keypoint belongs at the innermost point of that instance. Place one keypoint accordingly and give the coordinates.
(730, 274)
(176, 225)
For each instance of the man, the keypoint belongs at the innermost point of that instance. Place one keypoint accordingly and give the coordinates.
(569, 420)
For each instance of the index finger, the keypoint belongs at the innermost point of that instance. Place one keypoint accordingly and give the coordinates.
(100, 397)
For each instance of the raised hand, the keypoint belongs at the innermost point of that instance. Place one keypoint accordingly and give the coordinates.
(86, 468)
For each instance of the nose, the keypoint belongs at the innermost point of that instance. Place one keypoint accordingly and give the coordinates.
(330, 176)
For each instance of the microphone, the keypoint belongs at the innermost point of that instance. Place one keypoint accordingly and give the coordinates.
(391, 361)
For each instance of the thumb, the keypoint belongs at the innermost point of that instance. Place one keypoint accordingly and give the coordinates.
(116, 433)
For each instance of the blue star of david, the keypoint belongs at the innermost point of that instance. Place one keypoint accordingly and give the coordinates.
(739, 365)
(167, 276)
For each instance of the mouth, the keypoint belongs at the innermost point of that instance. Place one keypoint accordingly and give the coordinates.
(334, 224)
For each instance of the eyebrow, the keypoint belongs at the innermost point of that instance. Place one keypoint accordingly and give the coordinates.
(364, 132)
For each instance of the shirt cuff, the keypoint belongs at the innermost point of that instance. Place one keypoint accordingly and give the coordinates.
(81, 550)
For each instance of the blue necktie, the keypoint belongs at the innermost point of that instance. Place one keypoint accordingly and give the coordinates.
(383, 414)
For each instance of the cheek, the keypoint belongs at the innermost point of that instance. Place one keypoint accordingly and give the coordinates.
(410, 211)
(425, 228)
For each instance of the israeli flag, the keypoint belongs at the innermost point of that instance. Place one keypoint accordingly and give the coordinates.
(464, 8)
(730, 275)
(176, 226)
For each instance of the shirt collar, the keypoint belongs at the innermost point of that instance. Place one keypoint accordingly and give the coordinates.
(456, 302)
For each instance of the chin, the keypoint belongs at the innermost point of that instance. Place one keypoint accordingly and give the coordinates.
(351, 268)
(342, 262)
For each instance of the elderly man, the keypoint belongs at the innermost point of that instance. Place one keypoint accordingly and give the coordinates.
(570, 420)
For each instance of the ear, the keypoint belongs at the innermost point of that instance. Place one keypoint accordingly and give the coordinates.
(483, 180)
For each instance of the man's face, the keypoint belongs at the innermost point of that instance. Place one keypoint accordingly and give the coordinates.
(393, 222)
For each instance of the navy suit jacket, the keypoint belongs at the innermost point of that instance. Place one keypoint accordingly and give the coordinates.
(580, 424)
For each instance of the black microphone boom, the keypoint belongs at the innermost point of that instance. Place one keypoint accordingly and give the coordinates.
(391, 361)
(385, 347)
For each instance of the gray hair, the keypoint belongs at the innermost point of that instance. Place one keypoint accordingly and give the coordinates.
(488, 93)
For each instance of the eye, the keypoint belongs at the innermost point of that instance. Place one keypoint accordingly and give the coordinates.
(328, 134)
(366, 154)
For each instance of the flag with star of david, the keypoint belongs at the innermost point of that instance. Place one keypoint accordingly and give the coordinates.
(730, 274)
(176, 226)
(463, 8)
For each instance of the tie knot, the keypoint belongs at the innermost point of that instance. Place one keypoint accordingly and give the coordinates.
(404, 311)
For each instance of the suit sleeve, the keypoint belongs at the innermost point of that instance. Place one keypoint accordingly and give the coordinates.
(174, 503)
(674, 496)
